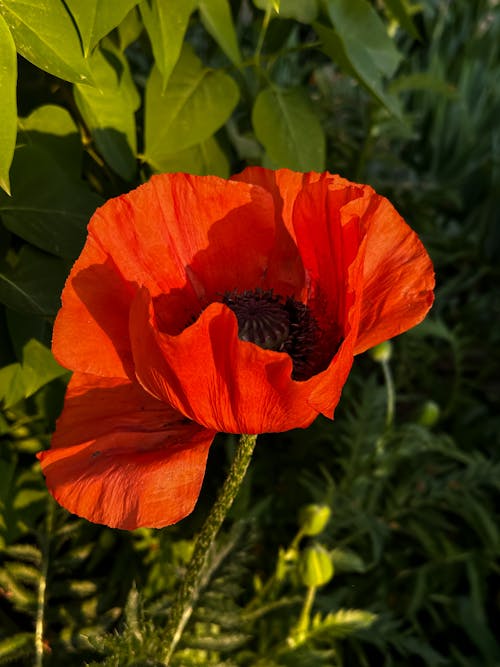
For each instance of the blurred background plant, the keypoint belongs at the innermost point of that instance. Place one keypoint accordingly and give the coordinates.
(372, 540)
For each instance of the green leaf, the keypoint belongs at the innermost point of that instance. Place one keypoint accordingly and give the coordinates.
(36, 368)
(195, 104)
(204, 158)
(286, 125)
(96, 18)
(166, 22)
(108, 109)
(217, 19)
(304, 11)
(363, 35)
(8, 107)
(359, 65)
(45, 35)
(47, 208)
(129, 29)
(399, 9)
(34, 284)
(52, 128)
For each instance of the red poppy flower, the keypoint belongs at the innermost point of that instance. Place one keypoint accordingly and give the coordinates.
(201, 305)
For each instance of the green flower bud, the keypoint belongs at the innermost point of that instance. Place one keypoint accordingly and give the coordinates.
(382, 352)
(315, 566)
(313, 519)
(429, 414)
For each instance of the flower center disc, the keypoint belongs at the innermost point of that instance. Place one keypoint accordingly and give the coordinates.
(274, 323)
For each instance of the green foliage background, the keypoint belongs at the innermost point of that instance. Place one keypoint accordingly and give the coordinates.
(96, 96)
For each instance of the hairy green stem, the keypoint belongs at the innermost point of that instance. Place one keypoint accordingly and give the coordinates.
(192, 585)
(42, 585)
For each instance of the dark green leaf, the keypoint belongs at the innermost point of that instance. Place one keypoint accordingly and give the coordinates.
(217, 19)
(8, 107)
(364, 36)
(96, 18)
(399, 9)
(358, 64)
(289, 130)
(34, 284)
(305, 11)
(196, 102)
(51, 127)
(47, 207)
(166, 22)
(45, 35)
(108, 109)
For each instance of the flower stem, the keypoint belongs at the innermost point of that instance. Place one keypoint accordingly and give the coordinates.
(192, 585)
(391, 396)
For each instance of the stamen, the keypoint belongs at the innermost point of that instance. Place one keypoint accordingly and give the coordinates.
(274, 323)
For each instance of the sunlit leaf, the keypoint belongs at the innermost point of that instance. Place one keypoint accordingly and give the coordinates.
(45, 35)
(217, 19)
(196, 102)
(108, 109)
(96, 18)
(129, 29)
(166, 23)
(286, 125)
(204, 158)
(8, 107)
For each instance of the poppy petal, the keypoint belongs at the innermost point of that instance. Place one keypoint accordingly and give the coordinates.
(213, 377)
(121, 458)
(91, 329)
(398, 275)
(189, 235)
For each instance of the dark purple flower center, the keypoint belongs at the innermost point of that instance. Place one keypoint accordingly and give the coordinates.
(275, 323)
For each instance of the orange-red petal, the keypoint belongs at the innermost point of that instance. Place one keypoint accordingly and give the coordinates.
(190, 236)
(121, 458)
(213, 377)
(398, 276)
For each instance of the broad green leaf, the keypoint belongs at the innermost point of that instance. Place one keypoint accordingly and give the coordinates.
(360, 66)
(96, 18)
(36, 368)
(45, 35)
(166, 22)
(52, 128)
(34, 284)
(129, 29)
(364, 36)
(305, 11)
(195, 104)
(399, 9)
(39, 367)
(217, 19)
(204, 158)
(285, 124)
(108, 109)
(8, 107)
(47, 208)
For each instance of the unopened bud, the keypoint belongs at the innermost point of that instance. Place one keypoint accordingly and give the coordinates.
(313, 519)
(429, 414)
(382, 352)
(315, 566)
